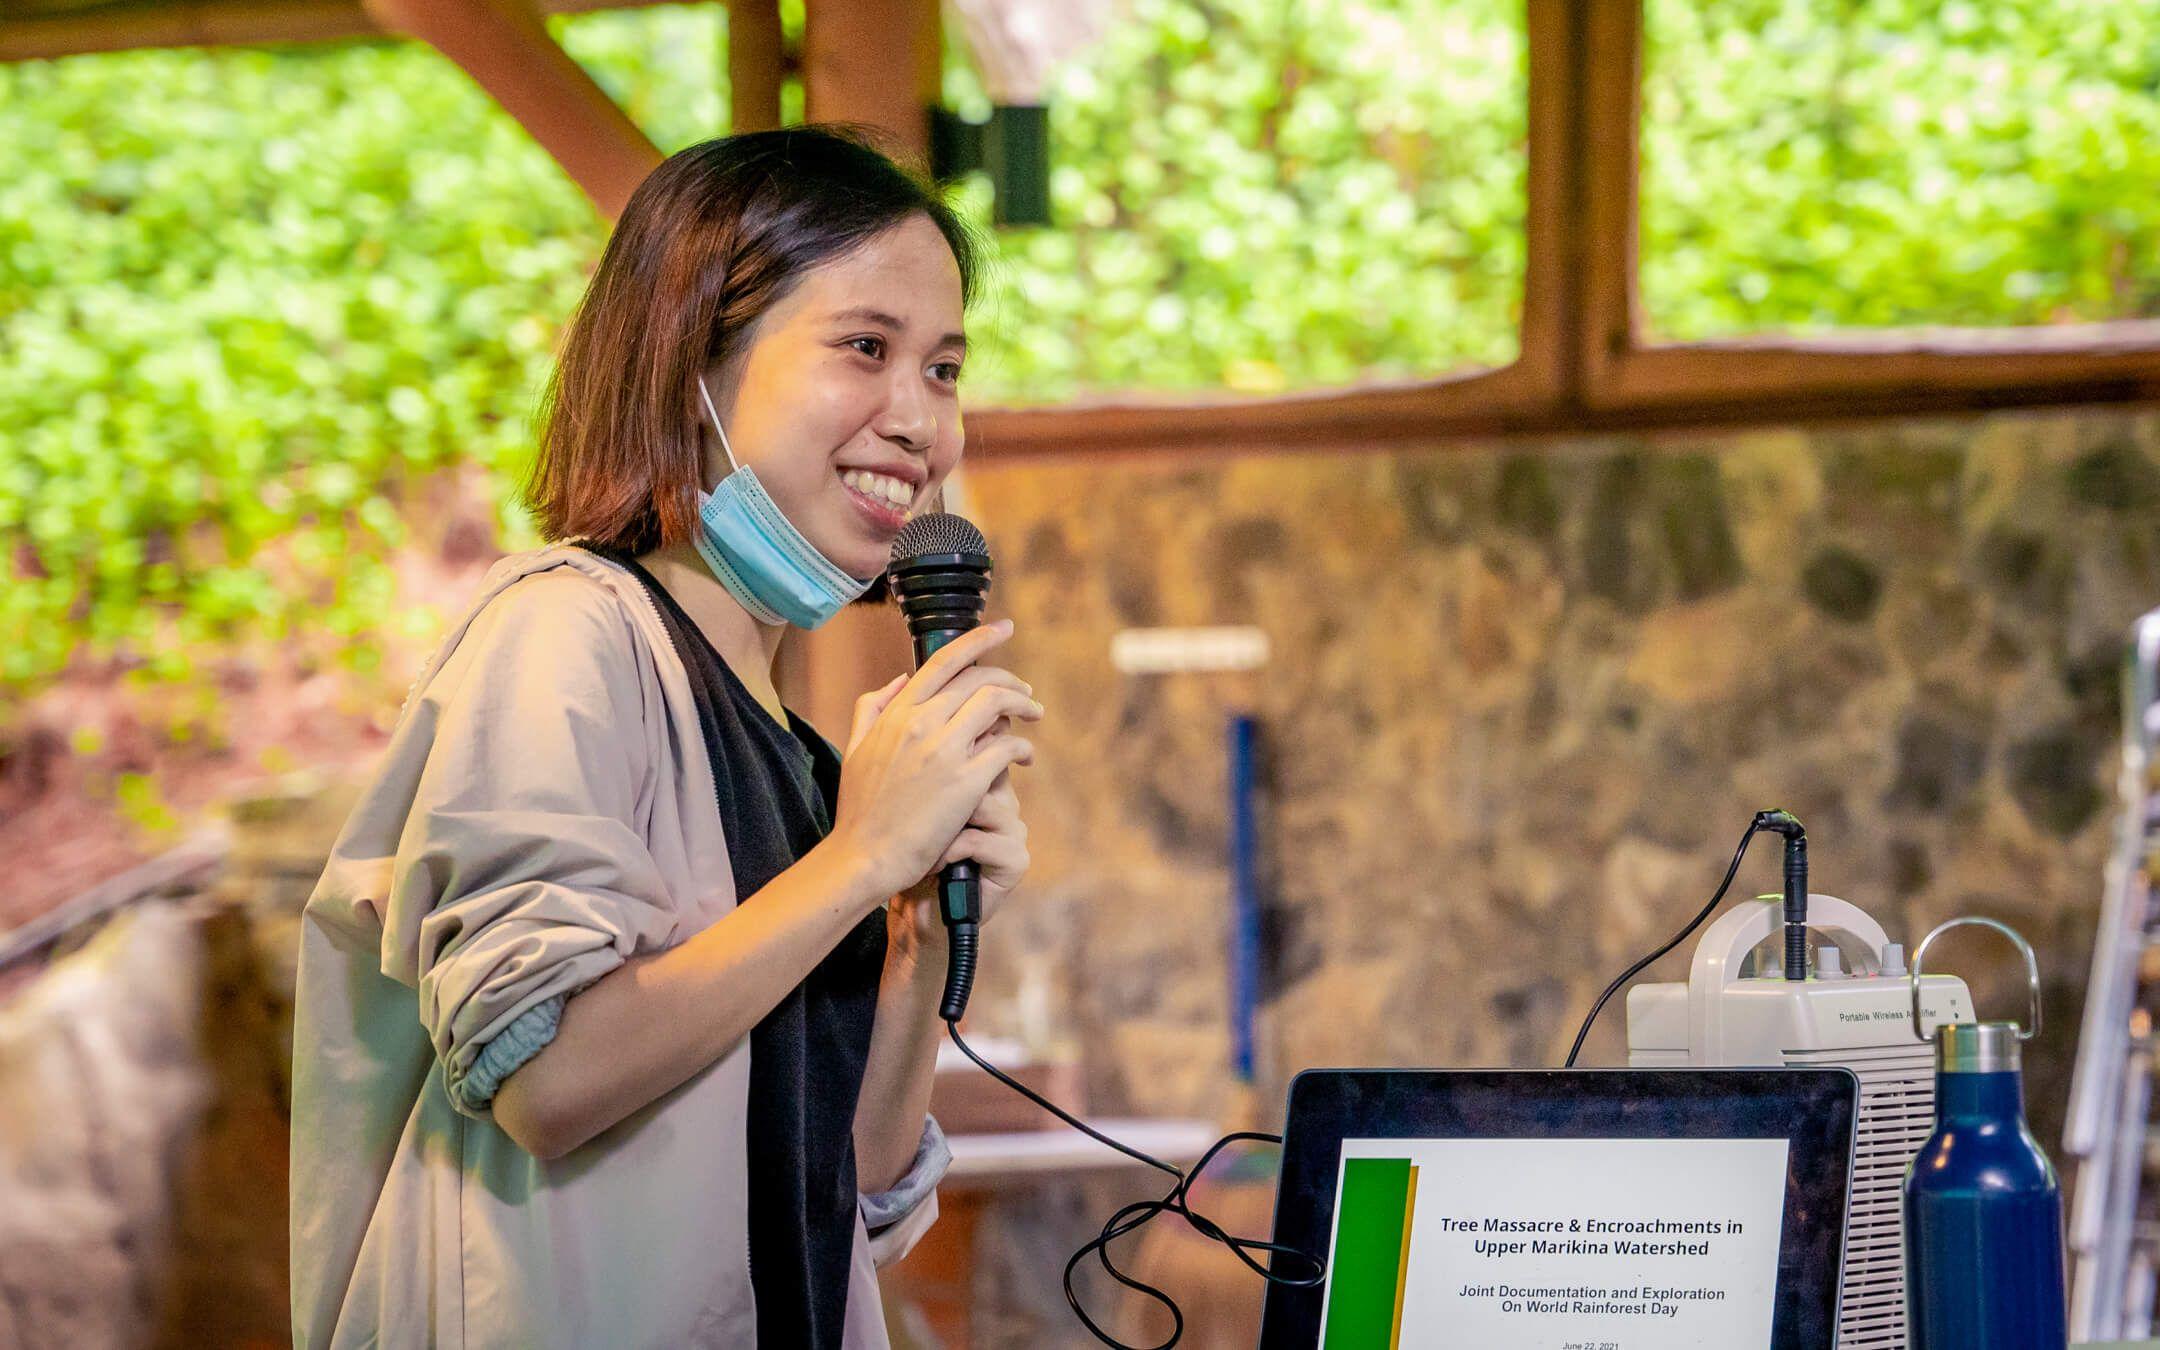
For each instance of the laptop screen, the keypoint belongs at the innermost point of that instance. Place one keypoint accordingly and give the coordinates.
(1637, 1210)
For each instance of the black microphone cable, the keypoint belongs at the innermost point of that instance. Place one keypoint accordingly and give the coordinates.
(1132, 1216)
(1774, 822)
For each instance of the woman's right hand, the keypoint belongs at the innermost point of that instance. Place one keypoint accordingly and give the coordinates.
(923, 753)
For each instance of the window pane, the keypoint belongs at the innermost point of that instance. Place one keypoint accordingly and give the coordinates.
(1815, 164)
(1261, 195)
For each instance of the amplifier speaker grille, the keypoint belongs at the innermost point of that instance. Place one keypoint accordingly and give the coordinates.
(1897, 1114)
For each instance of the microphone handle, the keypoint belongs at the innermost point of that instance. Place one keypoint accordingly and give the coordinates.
(959, 886)
(959, 889)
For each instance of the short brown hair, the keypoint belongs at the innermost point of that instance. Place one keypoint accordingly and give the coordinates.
(711, 240)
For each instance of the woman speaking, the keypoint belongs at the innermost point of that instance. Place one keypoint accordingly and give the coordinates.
(617, 1003)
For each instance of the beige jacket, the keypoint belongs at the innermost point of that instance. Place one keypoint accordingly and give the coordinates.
(543, 812)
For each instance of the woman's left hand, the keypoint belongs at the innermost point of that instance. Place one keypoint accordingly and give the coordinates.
(995, 837)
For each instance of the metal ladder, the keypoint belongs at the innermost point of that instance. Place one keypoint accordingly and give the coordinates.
(2114, 1236)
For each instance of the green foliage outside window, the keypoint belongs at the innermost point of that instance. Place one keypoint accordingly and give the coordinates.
(1819, 164)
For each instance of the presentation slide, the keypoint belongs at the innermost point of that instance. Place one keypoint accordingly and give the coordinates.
(1555, 1244)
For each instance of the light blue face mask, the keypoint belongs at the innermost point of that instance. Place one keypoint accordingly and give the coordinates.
(759, 555)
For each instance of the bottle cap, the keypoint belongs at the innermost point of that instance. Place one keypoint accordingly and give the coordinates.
(1976, 1047)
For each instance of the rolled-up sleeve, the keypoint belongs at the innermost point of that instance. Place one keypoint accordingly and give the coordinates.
(522, 876)
(897, 1217)
(507, 1053)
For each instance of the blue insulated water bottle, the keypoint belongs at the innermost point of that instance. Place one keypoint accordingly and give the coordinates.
(1983, 1211)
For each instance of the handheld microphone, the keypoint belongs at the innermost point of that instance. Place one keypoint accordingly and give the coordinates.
(940, 572)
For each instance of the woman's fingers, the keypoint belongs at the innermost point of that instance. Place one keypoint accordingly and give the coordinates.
(996, 851)
(1000, 754)
(1000, 806)
(985, 708)
(925, 751)
(936, 711)
(964, 686)
(954, 657)
(870, 705)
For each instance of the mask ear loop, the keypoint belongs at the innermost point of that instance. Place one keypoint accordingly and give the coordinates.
(713, 413)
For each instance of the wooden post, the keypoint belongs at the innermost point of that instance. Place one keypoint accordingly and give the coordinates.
(757, 64)
(1579, 287)
(874, 63)
(1549, 339)
(1608, 167)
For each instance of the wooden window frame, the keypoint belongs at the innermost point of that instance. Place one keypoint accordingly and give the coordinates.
(1583, 362)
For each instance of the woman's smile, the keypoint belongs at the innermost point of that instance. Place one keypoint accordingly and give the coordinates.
(882, 498)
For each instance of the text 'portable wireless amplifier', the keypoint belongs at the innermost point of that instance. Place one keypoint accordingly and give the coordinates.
(1853, 1011)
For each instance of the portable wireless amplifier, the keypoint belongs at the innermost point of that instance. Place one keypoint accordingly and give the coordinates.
(1853, 1011)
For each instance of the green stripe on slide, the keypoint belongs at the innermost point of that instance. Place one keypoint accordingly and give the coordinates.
(1370, 1242)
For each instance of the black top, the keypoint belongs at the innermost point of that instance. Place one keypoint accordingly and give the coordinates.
(777, 786)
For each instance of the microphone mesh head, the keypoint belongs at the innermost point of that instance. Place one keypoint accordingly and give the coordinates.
(938, 532)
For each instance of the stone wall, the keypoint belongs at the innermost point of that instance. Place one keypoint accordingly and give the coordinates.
(1524, 698)
(144, 1100)
(102, 1083)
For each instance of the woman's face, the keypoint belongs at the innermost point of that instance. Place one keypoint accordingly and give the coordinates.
(846, 399)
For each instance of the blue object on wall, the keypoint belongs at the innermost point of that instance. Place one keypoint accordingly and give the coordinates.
(1244, 893)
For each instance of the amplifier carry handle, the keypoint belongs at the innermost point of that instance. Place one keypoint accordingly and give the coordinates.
(1739, 930)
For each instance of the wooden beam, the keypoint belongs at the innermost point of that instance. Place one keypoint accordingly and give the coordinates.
(995, 439)
(504, 45)
(1481, 400)
(1942, 368)
(211, 23)
(1018, 46)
